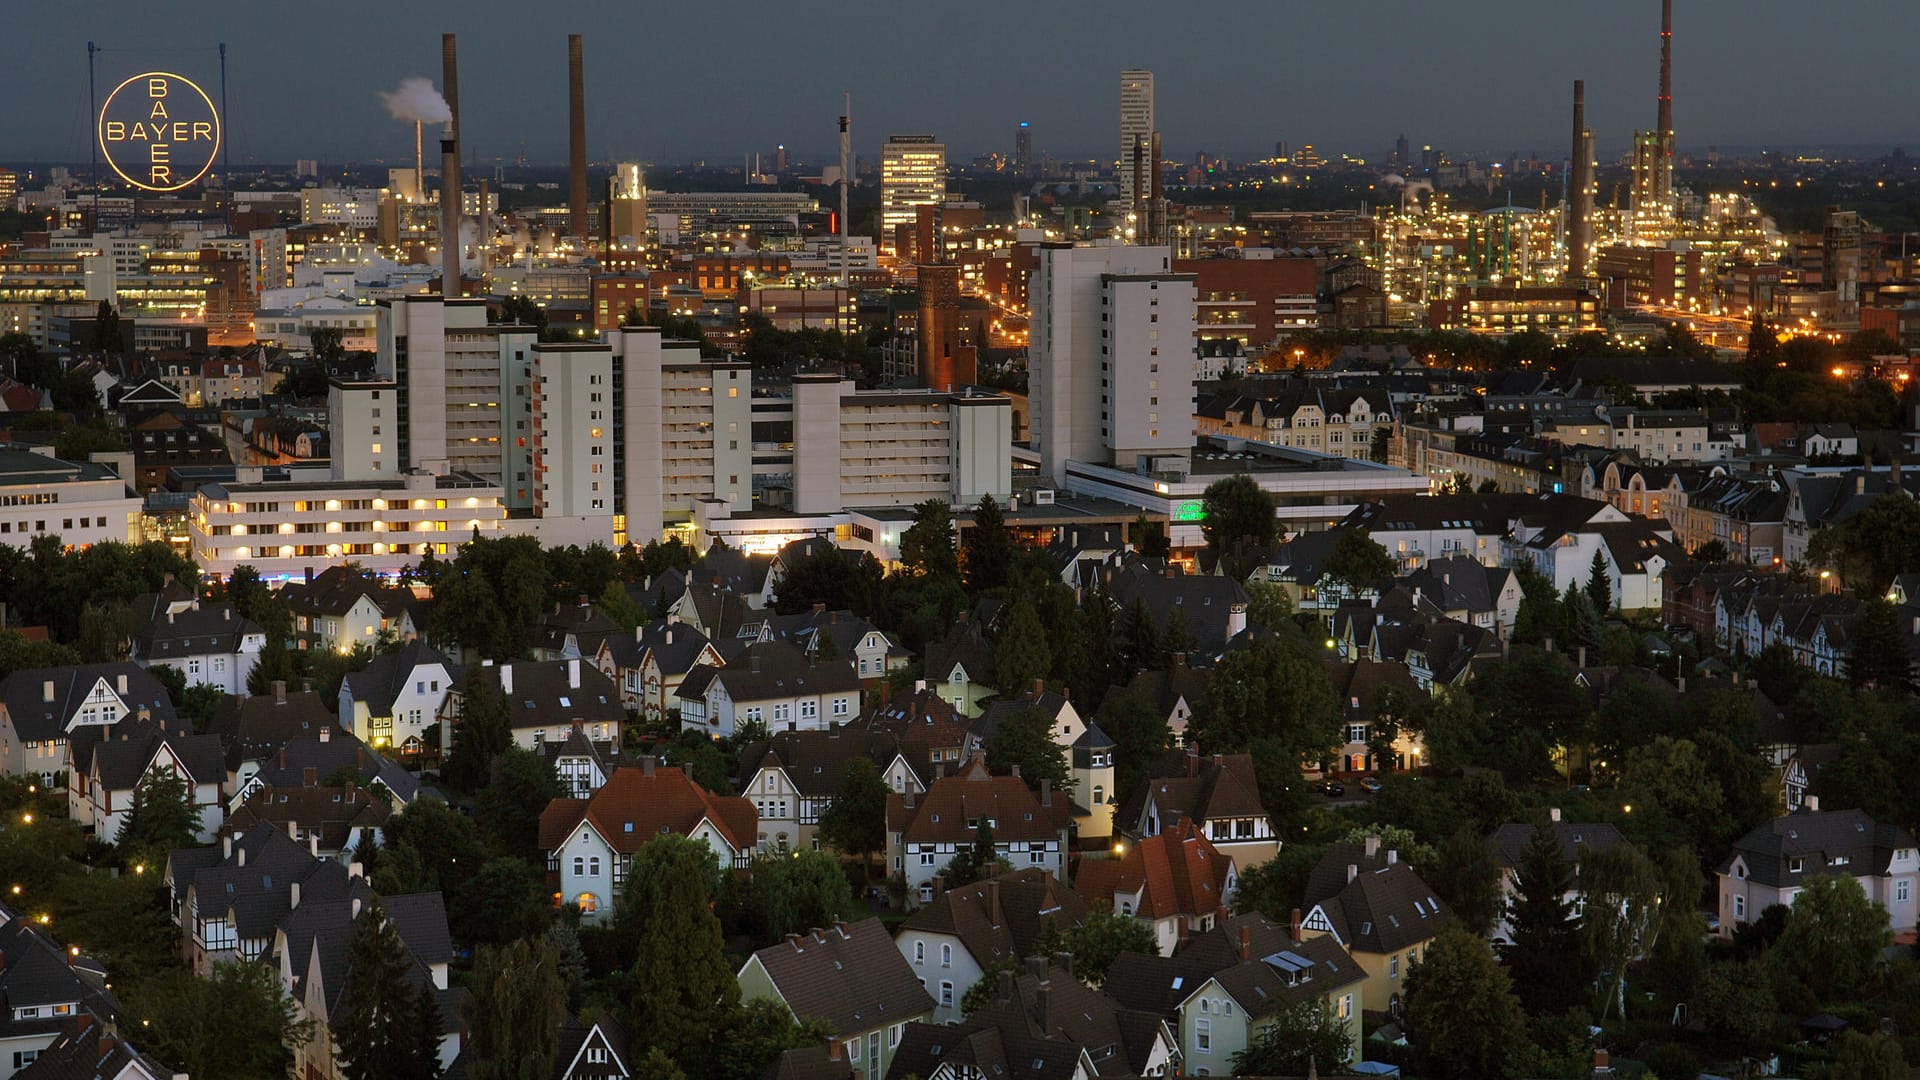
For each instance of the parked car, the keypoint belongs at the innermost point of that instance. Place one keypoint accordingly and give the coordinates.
(1372, 785)
(1332, 789)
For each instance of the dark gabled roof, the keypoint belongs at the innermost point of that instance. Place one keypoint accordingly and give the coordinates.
(337, 813)
(1004, 918)
(87, 1048)
(585, 623)
(124, 758)
(1375, 904)
(1163, 689)
(1820, 840)
(40, 701)
(335, 590)
(1158, 984)
(256, 728)
(846, 630)
(771, 670)
(1208, 602)
(923, 721)
(849, 975)
(162, 634)
(1047, 703)
(1202, 790)
(1297, 971)
(255, 880)
(35, 971)
(817, 1062)
(964, 646)
(329, 752)
(733, 569)
(1576, 840)
(815, 761)
(1003, 1039)
(674, 645)
(553, 694)
(383, 679)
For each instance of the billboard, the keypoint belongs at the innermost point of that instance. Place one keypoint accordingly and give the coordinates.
(159, 131)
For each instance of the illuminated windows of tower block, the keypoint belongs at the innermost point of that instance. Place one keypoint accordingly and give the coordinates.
(913, 173)
(627, 207)
(1136, 124)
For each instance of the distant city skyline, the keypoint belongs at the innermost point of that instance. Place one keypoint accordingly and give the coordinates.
(671, 85)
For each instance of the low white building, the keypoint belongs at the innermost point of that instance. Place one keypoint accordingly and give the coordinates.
(770, 683)
(398, 697)
(209, 643)
(83, 503)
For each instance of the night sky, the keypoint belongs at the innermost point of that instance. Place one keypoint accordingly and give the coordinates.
(715, 79)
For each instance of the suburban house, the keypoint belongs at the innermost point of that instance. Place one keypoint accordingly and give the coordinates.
(327, 757)
(1227, 1012)
(1176, 882)
(42, 708)
(228, 900)
(1172, 693)
(1063, 721)
(850, 976)
(590, 842)
(928, 726)
(209, 643)
(770, 683)
(1198, 990)
(583, 765)
(399, 695)
(311, 945)
(1577, 840)
(87, 1047)
(546, 699)
(1041, 1023)
(1377, 909)
(955, 939)
(1770, 864)
(341, 607)
(651, 664)
(256, 728)
(45, 989)
(925, 831)
(873, 651)
(960, 667)
(100, 788)
(1219, 794)
(1214, 608)
(573, 631)
(792, 775)
(1095, 784)
(332, 821)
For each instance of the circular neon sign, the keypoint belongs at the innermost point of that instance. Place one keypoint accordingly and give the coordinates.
(159, 131)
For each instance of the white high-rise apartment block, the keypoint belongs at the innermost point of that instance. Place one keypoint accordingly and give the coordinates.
(1136, 123)
(1112, 359)
(453, 371)
(913, 173)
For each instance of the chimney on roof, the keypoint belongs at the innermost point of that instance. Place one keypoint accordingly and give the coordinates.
(506, 678)
(293, 830)
(169, 616)
(753, 662)
(583, 599)
(240, 858)
(1005, 984)
(226, 613)
(283, 757)
(819, 608)
(1860, 483)
(1193, 762)
(46, 690)
(309, 575)
(1063, 961)
(1353, 871)
(1016, 769)
(833, 1044)
(226, 846)
(1582, 662)
(1553, 814)
(293, 894)
(309, 777)
(1246, 943)
(279, 691)
(1046, 792)
(353, 910)
(994, 915)
(1373, 847)
(326, 734)
(1294, 926)
(647, 763)
(939, 885)
(1812, 804)
(841, 925)
(1043, 1006)
(1602, 1063)
(1393, 856)
(573, 673)
(1039, 686)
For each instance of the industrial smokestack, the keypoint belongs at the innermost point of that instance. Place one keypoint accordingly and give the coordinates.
(846, 177)
(1663, 167)
(577, 140)
(450, 172)
(1156, 200)
(1580, 193)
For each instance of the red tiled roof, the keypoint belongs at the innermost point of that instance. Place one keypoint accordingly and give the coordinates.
(637, 804)
(943, 813)
(1182, 871)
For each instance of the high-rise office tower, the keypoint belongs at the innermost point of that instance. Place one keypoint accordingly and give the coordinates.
(626, 206)
(1023, 149)
(913, 173)
(1136, 124)
(1112, 358)
(1402, 153)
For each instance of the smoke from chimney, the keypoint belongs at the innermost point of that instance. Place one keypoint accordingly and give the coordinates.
(416, 99)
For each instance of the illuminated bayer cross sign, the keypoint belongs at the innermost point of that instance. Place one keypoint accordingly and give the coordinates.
(159, 131)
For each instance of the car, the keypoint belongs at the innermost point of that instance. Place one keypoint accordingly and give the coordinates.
(1372, 785)
(1332, 789)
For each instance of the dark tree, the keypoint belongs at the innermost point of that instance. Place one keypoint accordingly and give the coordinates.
(1545, 958)
(989, 547)
(514, 1016)
(1880, 656)
(855, 821)
(683, 988)
(926, 548)
(1024, 740)
(1358, 562)
(1236, 511)
(391, 1030)
(1150, 537)
(1468, 879)
(1462, 1013)
(508, 810)
(483, 733)
(161, 818)
(1599, 586)
(1022, 654)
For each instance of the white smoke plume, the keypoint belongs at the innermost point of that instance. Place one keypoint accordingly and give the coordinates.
(416, 99)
